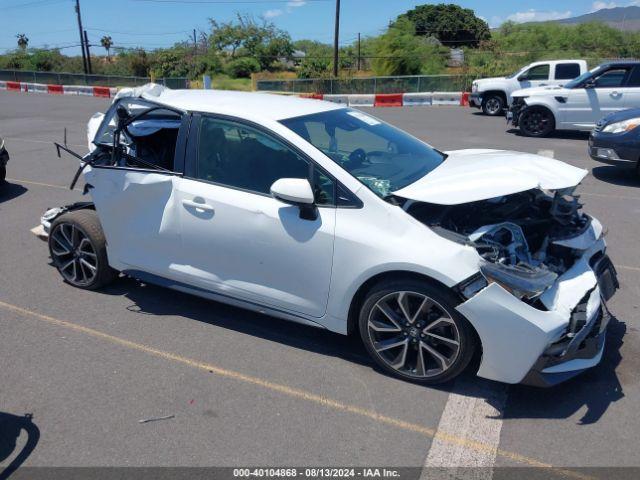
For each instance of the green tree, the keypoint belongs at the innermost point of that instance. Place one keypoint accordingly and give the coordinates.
(107, 43)
(23, 41)
(400, 52)
(451, 24)
(248, 37)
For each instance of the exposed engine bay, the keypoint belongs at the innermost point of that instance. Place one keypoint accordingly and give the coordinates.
(522, 237)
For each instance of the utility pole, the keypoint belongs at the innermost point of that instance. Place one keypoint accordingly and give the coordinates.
(335, 40)
(86, 43)
(84, 57)
(358, 51)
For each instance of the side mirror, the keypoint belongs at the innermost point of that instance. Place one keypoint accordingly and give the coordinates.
(298, 192)
(522, 78)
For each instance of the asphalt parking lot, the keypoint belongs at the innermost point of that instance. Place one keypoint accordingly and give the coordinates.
(248, 390)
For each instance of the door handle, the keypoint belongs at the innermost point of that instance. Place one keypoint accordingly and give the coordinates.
(201, 207)
(616, 94)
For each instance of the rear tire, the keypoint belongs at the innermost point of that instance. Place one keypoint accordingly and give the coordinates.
(537, 122)
(78, 248)
(493, 105)
(3, 174)
(412, 331)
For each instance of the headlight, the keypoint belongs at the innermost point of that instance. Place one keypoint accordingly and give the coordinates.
(624, 126)
(521, 282)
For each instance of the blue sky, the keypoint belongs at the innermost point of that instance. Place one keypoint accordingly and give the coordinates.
(159, 23)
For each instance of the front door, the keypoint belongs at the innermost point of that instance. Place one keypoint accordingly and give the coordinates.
(536, 76)
(585, 106)
(239, 241)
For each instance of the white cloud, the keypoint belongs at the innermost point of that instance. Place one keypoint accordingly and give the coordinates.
(538, 16)
(600, 5)
(296, 3)
(272, 13)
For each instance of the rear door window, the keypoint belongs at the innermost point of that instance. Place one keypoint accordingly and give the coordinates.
(567, 71)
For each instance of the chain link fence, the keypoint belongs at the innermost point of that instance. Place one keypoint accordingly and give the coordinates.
(91, 80)
(399, 84)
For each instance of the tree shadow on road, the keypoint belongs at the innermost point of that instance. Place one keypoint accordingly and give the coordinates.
(11, 427)
(624, 176)
(9, 191)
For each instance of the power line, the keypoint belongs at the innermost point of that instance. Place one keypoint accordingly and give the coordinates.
(32, 4)
(204, 2)
(137, 33)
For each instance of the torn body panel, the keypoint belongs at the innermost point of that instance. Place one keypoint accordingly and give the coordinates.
(541, 283)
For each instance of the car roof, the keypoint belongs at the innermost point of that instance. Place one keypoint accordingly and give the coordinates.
(621, 63)
(240, 104)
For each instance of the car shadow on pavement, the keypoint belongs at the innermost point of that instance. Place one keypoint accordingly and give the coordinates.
(11, 427)
(153, 300)
(556, 134)
(9, 191)
(596, 389)
(622, 176)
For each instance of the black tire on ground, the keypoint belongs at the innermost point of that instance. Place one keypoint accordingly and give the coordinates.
(3, 173)
(537, 122)
(443, 301)
(87, 225)
(493, 105)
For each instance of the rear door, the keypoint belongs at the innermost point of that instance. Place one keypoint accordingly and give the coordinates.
(136, 202)
(565, 71)
(632, 89)
(239, 241)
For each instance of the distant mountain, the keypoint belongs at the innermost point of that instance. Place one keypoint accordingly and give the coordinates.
(623, 18)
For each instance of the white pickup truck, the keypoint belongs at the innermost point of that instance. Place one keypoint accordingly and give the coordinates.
(493, 95)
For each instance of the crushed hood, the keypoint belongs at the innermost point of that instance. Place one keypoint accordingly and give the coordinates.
(472, 175)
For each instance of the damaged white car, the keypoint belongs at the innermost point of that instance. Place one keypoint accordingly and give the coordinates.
(327, 216)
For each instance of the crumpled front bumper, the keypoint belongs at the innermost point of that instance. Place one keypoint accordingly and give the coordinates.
(515, 110)
(554, 340)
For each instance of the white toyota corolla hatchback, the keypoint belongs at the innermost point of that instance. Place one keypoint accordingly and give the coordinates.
(327, 216)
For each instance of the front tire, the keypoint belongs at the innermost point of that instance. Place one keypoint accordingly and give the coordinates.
(537, 122)
(78, 248)
(3, 174)
(412, 331)
(493, 105)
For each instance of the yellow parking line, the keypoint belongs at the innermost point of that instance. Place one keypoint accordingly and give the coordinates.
(29, 182)
(295, 392)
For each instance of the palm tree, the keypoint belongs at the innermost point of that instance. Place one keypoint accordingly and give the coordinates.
(107, 42)
(23, 41)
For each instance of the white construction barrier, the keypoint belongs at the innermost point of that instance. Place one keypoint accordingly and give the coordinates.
(417, 99)
(77, 90)
(446, 98)
(3, 85)
(361, 100)
(342, 99)
(34, 87)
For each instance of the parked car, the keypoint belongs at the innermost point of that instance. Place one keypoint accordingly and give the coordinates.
(4, 158)
(327, 216)
(616, 139)
(578, 105)
(493, 95)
